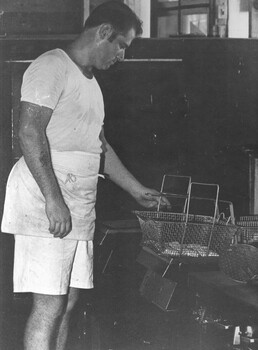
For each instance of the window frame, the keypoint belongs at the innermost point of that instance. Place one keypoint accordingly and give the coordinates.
(158, 9)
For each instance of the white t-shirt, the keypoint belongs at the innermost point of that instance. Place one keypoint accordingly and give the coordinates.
(53, 80)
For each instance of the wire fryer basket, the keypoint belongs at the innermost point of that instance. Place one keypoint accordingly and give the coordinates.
(184, 234)
(171, 235)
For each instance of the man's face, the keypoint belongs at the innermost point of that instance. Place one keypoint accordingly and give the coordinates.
(109, 52)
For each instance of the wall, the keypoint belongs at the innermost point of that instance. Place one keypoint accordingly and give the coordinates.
(217, 82)
(42, 17)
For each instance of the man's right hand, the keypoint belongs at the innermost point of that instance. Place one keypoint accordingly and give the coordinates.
(60, 222)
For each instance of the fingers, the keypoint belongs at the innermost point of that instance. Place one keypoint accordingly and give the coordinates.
(51, 225)
(165, 203)
(66, 229)
(60, 229)
(59, 216)
(56, 231)
(152, 204)
(152, 199)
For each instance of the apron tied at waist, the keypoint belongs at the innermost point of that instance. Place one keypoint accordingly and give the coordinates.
(77, 176)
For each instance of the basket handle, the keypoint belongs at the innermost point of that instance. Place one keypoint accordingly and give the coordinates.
(201, 198)
(191, 197)
(185, 180)
(230, 209)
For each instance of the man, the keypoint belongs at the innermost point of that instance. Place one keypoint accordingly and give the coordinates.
(51, 190)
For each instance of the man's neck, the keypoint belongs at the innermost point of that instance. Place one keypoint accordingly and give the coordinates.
(73, 54)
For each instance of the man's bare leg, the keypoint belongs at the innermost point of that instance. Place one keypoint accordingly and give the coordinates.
(43, 321)
(73, 296)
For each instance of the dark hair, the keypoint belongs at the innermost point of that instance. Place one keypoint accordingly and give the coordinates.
(116, 13)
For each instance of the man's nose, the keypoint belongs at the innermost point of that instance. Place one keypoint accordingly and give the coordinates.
(121, 55)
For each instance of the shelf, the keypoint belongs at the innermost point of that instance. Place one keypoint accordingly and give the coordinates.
(39, 37)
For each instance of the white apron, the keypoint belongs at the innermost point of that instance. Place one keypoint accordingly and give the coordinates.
(77, 175)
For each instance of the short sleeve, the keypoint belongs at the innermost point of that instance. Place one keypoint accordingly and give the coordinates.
(44, 81)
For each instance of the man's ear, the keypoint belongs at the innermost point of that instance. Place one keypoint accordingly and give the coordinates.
(105, 31)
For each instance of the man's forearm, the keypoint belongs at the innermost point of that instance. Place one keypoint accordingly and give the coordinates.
(147, 197)
(118, 172)
(37, 156)
(34, 144)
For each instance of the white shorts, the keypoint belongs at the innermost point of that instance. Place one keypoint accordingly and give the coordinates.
(52, 265)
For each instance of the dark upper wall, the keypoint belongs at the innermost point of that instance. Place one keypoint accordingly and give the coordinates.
(41, 17)
(203, 116)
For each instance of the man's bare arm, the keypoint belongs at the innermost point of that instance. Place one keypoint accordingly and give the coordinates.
(118, 173)
(34, 144)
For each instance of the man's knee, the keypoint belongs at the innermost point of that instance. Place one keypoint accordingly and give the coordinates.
(49, 306)
(73, 297)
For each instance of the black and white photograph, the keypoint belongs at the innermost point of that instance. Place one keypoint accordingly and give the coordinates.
(129, 174)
